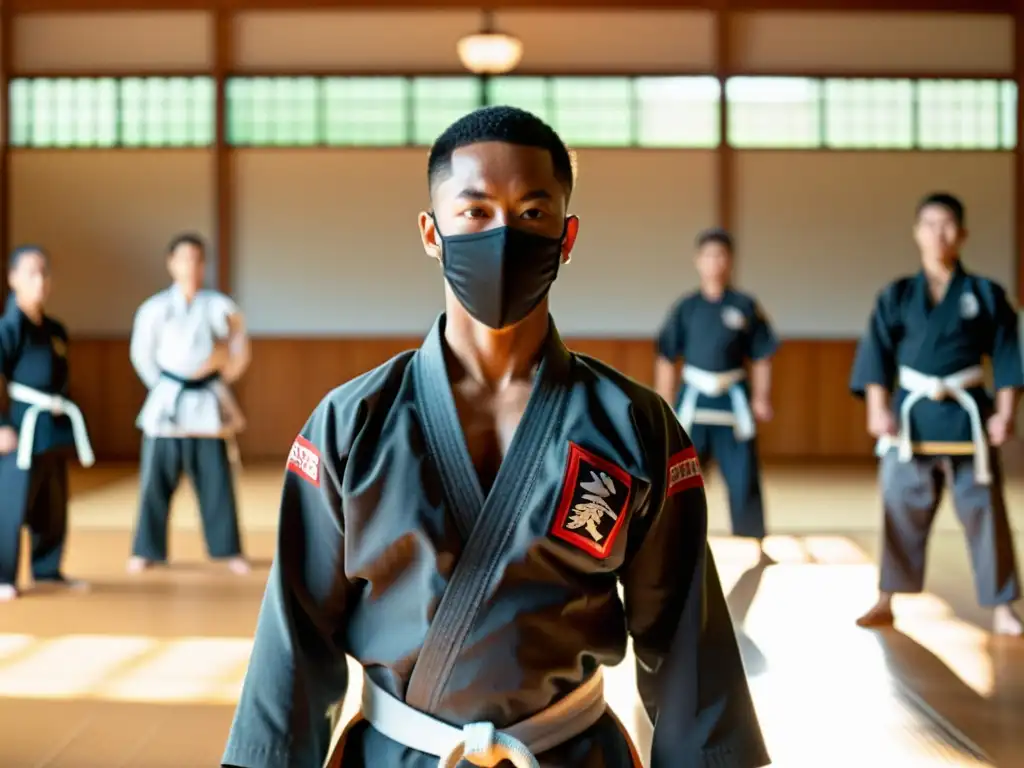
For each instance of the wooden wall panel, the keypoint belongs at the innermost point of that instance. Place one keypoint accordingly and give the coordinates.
(815, 417)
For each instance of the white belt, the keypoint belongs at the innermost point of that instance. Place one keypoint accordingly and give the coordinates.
(920, 386)
(38, 402)
(714, 384)
(480, 743)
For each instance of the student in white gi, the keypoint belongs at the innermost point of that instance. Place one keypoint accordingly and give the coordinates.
(188, 345)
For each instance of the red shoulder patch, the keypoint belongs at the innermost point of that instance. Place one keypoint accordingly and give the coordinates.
(593, 504)
(684, 472)
(304, 461)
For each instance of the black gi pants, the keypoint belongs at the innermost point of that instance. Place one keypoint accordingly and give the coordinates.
(205, 461)
(741, 470)
(912, 492)
(36, 497)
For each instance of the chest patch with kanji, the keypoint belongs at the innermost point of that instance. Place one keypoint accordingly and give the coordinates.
(593, 504)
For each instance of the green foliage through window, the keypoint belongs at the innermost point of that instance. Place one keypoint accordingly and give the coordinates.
(99, 112)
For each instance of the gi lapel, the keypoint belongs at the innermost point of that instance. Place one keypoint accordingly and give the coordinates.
(940, 316)
(488, 522)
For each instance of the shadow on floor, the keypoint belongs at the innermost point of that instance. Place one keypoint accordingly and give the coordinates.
(989, 728)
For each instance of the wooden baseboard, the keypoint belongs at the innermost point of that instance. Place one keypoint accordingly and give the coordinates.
(815, 416)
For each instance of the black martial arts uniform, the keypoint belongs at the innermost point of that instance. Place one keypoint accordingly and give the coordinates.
(34, 356)
(716, 340)
(491, 606)
(932, 355)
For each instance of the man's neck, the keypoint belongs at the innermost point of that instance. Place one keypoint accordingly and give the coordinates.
(188, 292)
(33, 312)
(939, 270)
(495, 358)
(713, 291)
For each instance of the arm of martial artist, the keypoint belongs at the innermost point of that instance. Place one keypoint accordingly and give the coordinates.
(689, 672)
(239, 349)
(297, 669)
(670, 355)
(8, 435)
(763, 346)
(874, 365)
(1007, 367)
(142, 347)
(666, 374)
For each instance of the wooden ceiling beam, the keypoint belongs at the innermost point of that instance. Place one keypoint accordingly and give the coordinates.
(20, 7)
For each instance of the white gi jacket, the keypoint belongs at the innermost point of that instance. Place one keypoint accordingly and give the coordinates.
(171, 341)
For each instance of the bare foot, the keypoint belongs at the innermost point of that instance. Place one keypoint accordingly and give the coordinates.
(8, 592)
(880, 615)
(138, 564)
(1005, 621)
(239, 566)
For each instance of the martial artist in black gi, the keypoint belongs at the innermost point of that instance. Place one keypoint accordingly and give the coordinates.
(188, 345)
(927, 337)
(38, 429)
(459, 521)
(717, 332)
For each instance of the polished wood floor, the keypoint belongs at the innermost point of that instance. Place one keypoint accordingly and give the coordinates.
(142, 672)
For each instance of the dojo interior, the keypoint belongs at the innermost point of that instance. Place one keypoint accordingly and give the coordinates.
(293, 136)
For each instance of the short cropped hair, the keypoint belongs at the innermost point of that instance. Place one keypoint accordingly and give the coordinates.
(951, 203)
(21, 251)
(714, 235)
(186, 238)
(509, 125)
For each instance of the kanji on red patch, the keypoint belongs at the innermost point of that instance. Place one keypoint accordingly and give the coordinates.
(304, 461)
(593, 504)
(684, 472)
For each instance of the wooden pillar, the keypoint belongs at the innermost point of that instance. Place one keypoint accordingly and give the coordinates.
(223, 195)
(6, 60)
(726, 199)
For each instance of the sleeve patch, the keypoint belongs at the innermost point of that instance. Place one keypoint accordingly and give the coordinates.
(304, 461)
(684, 472)
(593, 504)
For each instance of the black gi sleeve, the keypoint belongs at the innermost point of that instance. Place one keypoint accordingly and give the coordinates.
(875, 361)
(689, 671)
(671, 340)
(763, 343)
(8, 359)
(1004, 347)
(298, 667)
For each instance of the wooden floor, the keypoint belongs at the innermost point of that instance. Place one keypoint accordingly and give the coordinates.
(143, 672)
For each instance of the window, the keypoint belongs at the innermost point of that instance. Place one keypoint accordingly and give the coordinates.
(361, 111)
(63, 112)
(103, 112)
(268, 111)
(678, 111)
(167, 112)
(840, 113)
(1008, 113)
(593, 111)
(402, 111)
(777, 112)
(440, 101)
(868, 114)
(960, 114)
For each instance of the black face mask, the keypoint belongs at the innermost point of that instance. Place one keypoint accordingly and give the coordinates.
(502, 274)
